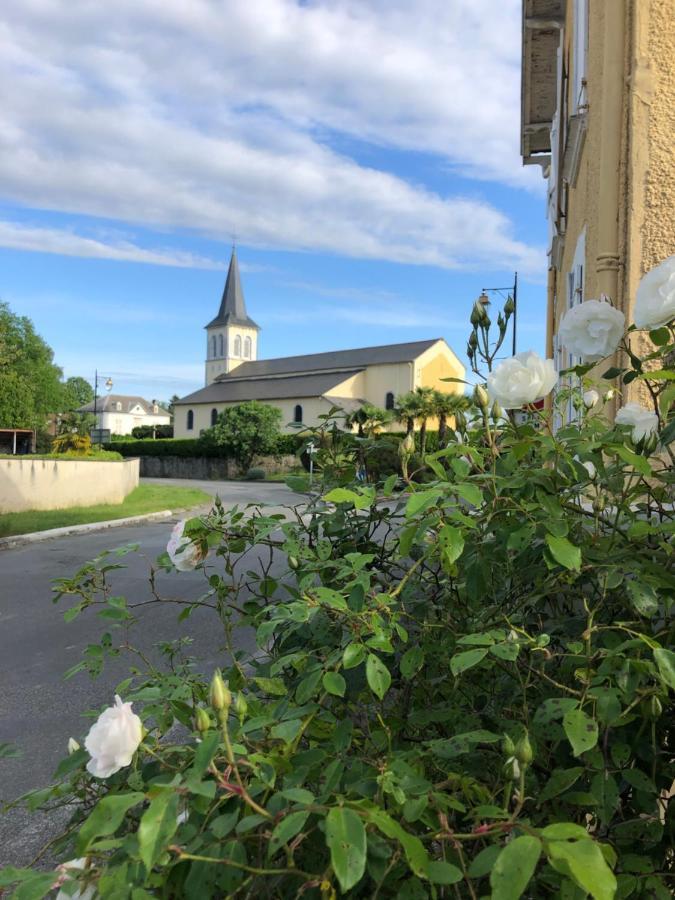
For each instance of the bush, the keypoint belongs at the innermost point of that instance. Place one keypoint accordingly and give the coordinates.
(245, 431)
(256, 473)
(142, 432)
(73, 443)
(194, 447)
(468, 684)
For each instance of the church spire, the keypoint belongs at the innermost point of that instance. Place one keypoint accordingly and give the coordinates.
(232, 306)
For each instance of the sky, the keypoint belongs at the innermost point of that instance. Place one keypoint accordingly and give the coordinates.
(362, 154)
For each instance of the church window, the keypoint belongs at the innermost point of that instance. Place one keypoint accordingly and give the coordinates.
(190, 420)
(297, 413)
(237, 346)
(389, 400)
(247, 347)
(221, 351)
(213, 347)
(214, 416)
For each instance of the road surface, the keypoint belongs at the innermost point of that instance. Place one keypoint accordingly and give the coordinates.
(38, 710)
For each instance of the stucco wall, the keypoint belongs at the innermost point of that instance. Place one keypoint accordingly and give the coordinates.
(209, 468)
(27, 483)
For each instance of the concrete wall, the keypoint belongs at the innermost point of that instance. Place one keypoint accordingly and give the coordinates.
(207, 468)
(27, 483)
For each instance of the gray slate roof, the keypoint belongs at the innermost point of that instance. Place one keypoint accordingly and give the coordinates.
(232, 306)
(334, 359)
(238, 390)
(107, 403)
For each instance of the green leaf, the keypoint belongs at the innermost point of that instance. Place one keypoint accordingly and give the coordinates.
(389, 485)
(378, 675)
(106, 817)
(411, 662)
(334, 684)
(469, 492)
(34, 888)
(344, 495)
(298, 795)
(353, 655)
(444, 873)
(507, 650)
(665, 660)
(286, 830)
(639, 463)
(483, 863)
(463, 661)
(581, 731)
(559, 782)
(157, 826)
(421, 500)
(583, 862)
(462, 743)
(514, 867)
(346, 840)
(637, 779)
(413, 847)
(612, 372)
(644, 598)
(331, 598)
(564, 552)
(274, 686)
(660, 336)
(451, 542)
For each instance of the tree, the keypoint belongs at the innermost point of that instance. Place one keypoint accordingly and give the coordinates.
(446, 406)
(369, 419)
(76, 392)
(246, 430)
(30, 383)
(407, 410)
(170, 405)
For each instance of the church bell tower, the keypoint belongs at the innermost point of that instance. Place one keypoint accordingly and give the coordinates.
(232, 337)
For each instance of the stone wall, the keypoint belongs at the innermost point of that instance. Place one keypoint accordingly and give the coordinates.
(208, 469)
(29, 483)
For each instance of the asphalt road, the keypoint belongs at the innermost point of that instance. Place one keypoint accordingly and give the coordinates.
(38, 710)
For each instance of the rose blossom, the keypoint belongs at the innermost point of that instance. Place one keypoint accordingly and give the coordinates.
(641, 420)
(522, 379)
(655, 298)
(113, 739)
(592, 329)
(591, 398)
(184, 553)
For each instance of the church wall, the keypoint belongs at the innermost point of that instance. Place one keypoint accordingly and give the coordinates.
(312, 408)
(379, 380)
(354, 387)
(434, 365)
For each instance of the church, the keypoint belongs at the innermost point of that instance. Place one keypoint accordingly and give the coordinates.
(303, 387)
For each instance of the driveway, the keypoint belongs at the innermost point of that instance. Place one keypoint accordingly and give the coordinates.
(38, 710)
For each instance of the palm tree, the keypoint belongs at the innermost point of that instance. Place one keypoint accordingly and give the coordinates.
(369, 419)
(445, 406)
(425, 405)
(407, 410)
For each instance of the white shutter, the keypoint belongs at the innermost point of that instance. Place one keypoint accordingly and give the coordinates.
(580, 49)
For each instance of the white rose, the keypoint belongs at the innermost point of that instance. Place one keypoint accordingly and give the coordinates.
(184, 553)
(64, 875)
(592, 329)
(113, 739)
(641, 420)
(522, 379)
(591, 398)
(73, 746)
(655, 298)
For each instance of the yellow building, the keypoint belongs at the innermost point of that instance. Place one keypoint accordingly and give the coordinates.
(304, 387)
(598, 115)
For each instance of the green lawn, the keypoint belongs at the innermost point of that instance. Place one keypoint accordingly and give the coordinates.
(145, 498)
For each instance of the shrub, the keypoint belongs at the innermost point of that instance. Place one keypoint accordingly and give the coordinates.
(77, 444)
(466, 688)
(142, 432)
(256, 473)
(245, 431)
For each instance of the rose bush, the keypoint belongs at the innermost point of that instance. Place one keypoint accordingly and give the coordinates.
(592, 329)
(113, 740)
(655, 298)
(463, 688)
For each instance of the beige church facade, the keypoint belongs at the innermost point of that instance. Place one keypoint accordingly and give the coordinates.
(304, 387)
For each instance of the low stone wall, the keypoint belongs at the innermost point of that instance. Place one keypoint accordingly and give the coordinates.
(27, 483)
(207, 468)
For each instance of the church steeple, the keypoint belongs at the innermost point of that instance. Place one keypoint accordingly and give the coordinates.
(232, 337)
(232, 306)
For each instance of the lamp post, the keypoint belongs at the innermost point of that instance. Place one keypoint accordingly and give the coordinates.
(512, 292)
(108, 387)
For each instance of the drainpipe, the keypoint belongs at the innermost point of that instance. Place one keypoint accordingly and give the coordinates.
(550, 318)
(613, 78)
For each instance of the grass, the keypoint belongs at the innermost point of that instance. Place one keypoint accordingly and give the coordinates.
(95, 456)
(145, 498)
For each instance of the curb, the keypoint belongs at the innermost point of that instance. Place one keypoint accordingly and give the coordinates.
(36, 536)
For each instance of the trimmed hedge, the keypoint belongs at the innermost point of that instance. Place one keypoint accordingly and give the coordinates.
(192, 447)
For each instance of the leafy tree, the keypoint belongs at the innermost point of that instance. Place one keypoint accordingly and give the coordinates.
(76, 393)
(246, 430)
(30, 383)
(171, 404)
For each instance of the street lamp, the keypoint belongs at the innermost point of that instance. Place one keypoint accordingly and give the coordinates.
(511, 292)
(108, 386)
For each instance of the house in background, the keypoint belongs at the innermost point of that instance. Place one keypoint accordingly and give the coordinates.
(304, 387)
(120, 414)
(598, 115)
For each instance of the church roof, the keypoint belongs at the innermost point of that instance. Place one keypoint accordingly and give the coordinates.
(232, 306)
(333, 360)
(238, 390)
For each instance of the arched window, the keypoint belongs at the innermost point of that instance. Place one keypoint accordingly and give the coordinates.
(190, 420)
(297, 413)
(389, 400)
(247, 347)
(221, 350)
(237, 346)
(213, 347)
(214, 417)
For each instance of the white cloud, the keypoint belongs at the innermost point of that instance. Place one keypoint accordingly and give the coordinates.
(18, 236)
(223, 117)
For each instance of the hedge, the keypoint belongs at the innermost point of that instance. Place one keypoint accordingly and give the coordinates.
(192, 447)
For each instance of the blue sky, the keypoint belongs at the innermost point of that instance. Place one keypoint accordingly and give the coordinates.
(363, 152)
